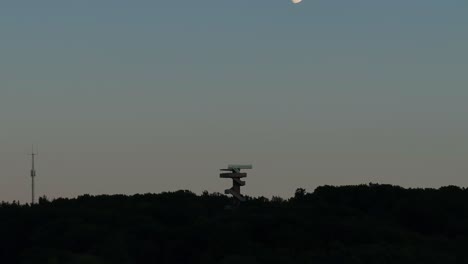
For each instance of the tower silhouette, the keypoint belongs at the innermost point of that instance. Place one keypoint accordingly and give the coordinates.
(33, 175)
(234, 173)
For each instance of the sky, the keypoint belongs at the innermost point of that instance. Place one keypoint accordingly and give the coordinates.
(151, 96)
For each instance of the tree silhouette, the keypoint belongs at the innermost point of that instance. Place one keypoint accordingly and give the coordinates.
(350, 224)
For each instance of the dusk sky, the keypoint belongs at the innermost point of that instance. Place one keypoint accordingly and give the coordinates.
(151, 96)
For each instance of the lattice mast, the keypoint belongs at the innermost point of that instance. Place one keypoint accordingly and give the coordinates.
(33, 174)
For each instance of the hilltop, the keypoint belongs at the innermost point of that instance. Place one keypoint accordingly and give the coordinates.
(350, 224)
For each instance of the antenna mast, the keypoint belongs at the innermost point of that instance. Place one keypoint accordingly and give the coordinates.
(33, 174)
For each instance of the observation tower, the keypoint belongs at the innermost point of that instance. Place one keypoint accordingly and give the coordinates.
(234, 172)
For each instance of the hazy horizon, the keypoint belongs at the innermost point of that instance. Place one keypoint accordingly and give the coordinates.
(136, 97)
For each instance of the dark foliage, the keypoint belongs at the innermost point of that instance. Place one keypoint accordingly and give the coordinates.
(352, 224)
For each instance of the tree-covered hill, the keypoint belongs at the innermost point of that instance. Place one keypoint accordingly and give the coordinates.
(351, 224)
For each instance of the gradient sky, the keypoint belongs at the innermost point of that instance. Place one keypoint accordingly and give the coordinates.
(150, 96)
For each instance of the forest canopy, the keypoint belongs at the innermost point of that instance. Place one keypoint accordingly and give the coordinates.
(350, 224)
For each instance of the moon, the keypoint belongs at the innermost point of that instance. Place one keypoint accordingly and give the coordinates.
(296, 1)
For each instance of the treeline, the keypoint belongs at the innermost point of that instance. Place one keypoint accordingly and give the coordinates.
(351, 224)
